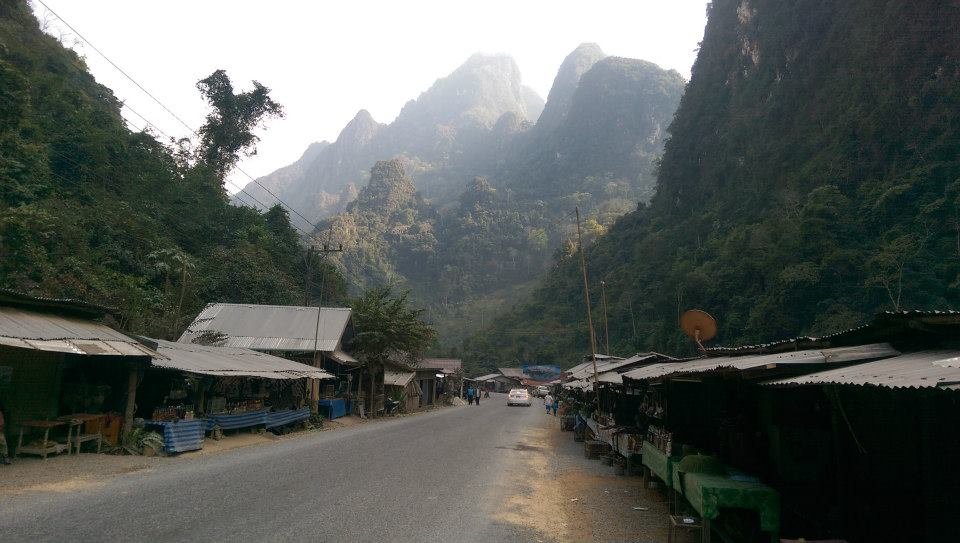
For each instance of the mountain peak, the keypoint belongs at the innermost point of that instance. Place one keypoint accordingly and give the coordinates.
(476, 94)
(577, 63)
(359, 131)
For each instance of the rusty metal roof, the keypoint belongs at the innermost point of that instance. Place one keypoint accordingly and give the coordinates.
(812, 356)
(271, 327)
(28, 329)
(924, 369)
(230, 362)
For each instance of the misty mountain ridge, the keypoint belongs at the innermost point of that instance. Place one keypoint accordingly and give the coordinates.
(480, 120)
(491, 211)
(440, 131)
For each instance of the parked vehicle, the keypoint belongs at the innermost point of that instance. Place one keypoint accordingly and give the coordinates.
(518, 396)
(541, 391)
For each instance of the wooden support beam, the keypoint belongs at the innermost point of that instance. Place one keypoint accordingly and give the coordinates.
(133, 377)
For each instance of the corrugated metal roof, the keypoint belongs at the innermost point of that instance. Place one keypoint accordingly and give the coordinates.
(397, 378)
(271, 327)
(515, 373)
(27, 329)
(231, 362)
(448, 365)
(811, 356)
(578, 367)
(343, 358)
(610, 377)
(619, 365)
(925, 369)
(581, 385)
(486, 377)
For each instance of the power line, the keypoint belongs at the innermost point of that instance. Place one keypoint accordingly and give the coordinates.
(175, 116)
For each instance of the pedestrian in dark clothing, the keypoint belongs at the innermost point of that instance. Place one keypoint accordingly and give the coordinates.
(4, 453)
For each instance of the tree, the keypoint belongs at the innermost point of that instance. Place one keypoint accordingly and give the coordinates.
(386, 324)
(228, 130)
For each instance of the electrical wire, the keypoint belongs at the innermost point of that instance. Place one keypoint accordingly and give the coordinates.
(175, 116)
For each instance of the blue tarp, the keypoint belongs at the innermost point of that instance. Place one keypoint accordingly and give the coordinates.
(287, 416)
(233, 421)
(334, 408)
(181, 435)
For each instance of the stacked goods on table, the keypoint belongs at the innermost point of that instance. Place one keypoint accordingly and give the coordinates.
(177, 412)
(661, 438)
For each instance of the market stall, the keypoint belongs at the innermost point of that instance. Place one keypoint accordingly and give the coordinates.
(59, 365)
(222, 388)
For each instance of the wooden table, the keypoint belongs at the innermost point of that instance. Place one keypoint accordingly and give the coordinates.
(78, 420)
(707, 494)
(44, 450)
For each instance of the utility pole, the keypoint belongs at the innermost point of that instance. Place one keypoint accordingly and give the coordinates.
(586, 295)
(606, 330)
(315, 383)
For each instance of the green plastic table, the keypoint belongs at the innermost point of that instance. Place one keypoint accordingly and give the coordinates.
(708, 493)
(659, 463)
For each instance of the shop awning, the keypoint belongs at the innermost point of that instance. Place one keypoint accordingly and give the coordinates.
(619, 365)
(926, 369)
(838, 355)
(42, 331)
(230, 362)
(397, 378)
(343, 358)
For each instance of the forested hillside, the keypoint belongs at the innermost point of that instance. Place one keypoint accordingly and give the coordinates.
(91, 210)
(811, 179)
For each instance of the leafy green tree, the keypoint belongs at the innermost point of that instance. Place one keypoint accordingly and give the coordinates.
(228, 130)
(385, 323)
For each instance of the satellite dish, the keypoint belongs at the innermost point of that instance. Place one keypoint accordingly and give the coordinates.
(699, 326)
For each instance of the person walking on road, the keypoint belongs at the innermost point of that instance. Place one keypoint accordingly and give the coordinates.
(470, 392)
(4, 453)
(556, 405)
(548, 402)
(476, 400)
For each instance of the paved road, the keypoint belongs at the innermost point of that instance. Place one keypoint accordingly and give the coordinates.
(439, 476)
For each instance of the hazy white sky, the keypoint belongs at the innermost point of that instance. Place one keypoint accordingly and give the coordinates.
(326, 60)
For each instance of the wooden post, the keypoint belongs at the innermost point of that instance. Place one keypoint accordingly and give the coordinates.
(132, 379)
(373, 400)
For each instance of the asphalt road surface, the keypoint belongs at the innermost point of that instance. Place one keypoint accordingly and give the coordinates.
(438, 476)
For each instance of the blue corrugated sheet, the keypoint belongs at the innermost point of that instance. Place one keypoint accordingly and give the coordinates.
(287, 416)
(180, 436)
(334, 408)
(233, 421)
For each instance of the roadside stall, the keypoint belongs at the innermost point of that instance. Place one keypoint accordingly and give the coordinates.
(308, 336)
(202, 388)
(883, 468)
(704, 428)
(66, 378)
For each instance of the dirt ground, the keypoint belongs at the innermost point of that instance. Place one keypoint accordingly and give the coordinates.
(67, 473)
(571, 498)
